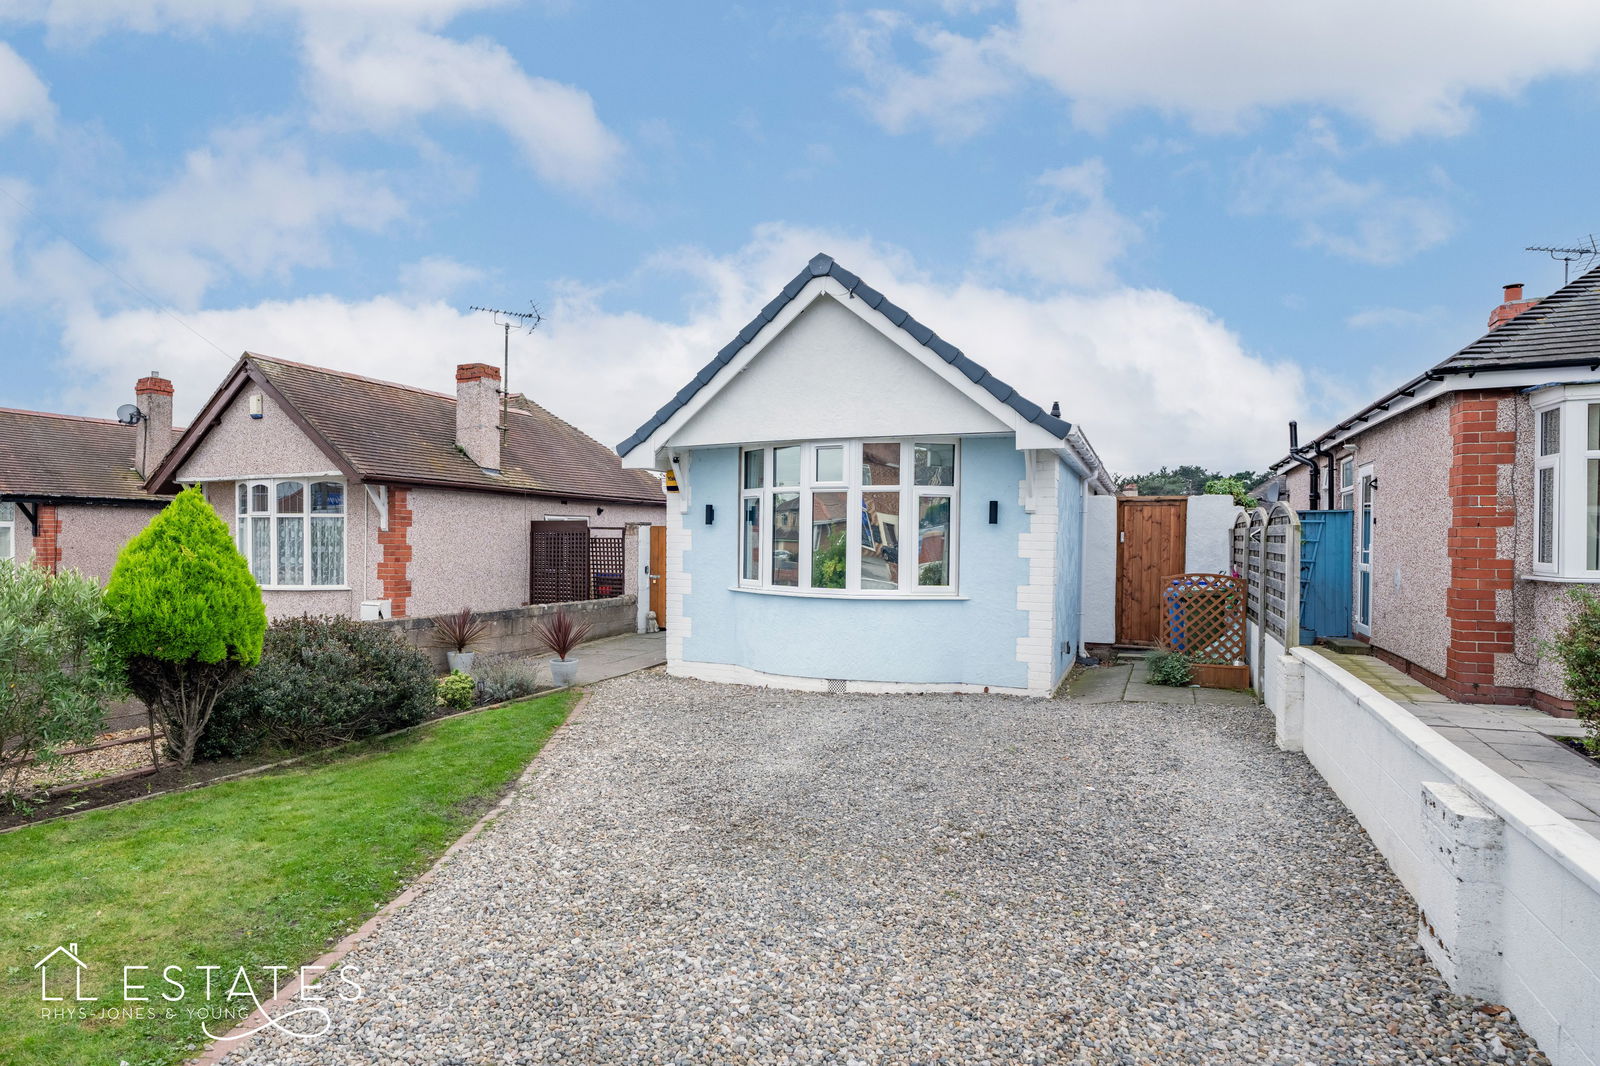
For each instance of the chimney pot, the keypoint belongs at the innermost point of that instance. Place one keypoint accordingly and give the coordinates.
(1513, 292)
(153, 435)
(1509, 308)
(478, 413)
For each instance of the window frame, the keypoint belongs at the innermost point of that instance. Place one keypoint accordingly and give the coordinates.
(8, 522)
(1572, 462)
(853, 486)
(244, 509)
(1542, 461)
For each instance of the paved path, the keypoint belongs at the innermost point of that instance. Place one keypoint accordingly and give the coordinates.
(1513, 741)
(716, 874)
(1126, 684)
(602, 660)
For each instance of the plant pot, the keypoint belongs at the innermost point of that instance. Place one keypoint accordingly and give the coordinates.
(564, 672)
(461, 660)
(1217, 675)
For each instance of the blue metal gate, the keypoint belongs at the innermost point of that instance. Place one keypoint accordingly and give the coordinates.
(1325, 574)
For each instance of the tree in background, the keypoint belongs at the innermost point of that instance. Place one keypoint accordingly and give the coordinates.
(57, 663)
(1234, 486)
(190, 617)
(1186, 480)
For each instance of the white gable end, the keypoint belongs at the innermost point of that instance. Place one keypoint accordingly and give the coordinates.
(829, 374)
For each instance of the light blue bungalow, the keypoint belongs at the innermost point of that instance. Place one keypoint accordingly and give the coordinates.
(863, 508)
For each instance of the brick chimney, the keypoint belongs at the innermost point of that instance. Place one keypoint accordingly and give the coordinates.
(153, 434)
(478, 413)
(1130, 488)
(1512, 306)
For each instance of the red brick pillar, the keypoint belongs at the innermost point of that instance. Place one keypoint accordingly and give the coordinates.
(47, 541)
(1478, 511)
(395, 563)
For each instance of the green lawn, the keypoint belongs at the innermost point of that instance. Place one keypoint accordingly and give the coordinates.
(256, 872)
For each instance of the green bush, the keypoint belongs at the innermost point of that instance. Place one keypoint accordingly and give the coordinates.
(1577, 648)
(507, 679)
(322, 681)
(57, 662)
(456, 690)
(1232, 486)
(189, 617)
(1169, 668)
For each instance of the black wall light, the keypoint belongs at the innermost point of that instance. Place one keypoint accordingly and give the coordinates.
(994, 512)
(711, 513)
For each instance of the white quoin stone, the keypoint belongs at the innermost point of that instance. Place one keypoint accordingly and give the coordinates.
(1461, 934)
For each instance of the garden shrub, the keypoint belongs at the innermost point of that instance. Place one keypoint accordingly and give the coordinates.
(1232, 486)
(455, 690)
(189, 617)
(1169, 668)
(507, 679)
(1577, 648)
(322, 681)
(57, 662)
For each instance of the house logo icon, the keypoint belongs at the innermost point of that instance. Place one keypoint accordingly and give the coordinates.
(44, 965)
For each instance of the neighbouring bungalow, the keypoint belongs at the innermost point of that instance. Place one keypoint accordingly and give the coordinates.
(1473, 492)
(372, 499)
(862, 507)
(72, 488)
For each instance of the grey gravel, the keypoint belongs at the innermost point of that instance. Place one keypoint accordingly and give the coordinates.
(702, 874)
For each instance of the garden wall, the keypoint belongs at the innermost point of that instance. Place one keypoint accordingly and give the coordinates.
(1509, 891)
(511, 633)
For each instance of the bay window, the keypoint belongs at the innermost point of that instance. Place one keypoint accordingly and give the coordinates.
(1566, 483)
(291, 532)
(849, 517)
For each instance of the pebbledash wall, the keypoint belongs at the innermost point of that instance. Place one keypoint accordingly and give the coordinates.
(80, 537)
(444, 549)
(997, 633)
(1508, 890)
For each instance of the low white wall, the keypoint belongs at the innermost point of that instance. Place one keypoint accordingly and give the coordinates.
(1509, 891)
(1208, 536)
(1099, 607)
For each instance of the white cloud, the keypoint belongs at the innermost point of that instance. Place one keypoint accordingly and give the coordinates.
(964, 75)
(436, 277)
(247, 205)
(1404, 67)
(1393, 318)
(1153, 379)
(23, 96)
(1073, 237)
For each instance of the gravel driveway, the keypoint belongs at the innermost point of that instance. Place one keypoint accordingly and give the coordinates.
(703, 874)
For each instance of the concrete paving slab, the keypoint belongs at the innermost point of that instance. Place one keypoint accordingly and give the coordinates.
(1223, 697)
(1140, 691)
(1100, 684)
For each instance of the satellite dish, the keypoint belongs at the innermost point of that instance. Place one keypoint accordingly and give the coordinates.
(129, 415)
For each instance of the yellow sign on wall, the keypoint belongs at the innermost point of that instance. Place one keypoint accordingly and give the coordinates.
(672, 481)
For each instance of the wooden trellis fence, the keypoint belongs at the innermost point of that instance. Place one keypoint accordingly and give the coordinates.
(1266, 554)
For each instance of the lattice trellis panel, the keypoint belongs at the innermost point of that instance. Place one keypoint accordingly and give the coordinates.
(1205, 616)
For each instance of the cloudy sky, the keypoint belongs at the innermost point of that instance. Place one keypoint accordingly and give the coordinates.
(1186, 220)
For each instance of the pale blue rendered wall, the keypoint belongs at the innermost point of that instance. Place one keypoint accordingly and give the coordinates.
(967, 641)
(1069, 568)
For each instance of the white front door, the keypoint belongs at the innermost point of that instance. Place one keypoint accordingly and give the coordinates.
(1367, 487)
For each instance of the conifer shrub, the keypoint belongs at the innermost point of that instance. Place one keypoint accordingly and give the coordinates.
(189, 617)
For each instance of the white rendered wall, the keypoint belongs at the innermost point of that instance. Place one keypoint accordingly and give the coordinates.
(1100, 570)
(1208, 541)
(1509, 891)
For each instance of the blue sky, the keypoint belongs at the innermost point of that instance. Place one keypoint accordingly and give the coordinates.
(1188, 222)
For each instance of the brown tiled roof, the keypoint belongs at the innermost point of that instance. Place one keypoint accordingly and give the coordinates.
(388, 432)
(68, 456)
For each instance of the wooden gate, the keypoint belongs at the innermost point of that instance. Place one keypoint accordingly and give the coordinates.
(658, 574)
(1150, 548)
(558, 562)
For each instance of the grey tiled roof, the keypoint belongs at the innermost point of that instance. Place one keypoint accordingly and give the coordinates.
(45, 455)
(1564, 325)
(824, 266)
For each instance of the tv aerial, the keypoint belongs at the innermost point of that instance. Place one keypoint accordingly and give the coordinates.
(1567, 256)
(524, 320)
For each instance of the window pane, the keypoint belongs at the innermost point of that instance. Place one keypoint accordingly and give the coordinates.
(6, 550)
(933, 540)
(751, 567)
(880, 464)
(261, 546)
(1547, 514)
(244, 498)
(880, 540)
(1347, 473)
(327, 549)
(258, 499)
(1550, 431)
(752, 469)
(1365, 615)
(786, 536)
(1593, 525)
(291, 497)
(327, 497)
(8, 512)
(830, 464)
(829, 534)
(936, 464)
(1594, 427)
(786, 465)
(291, 551)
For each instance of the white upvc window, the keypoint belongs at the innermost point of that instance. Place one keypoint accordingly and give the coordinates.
(847, 517)
(1566, 483)
(291, 531)
(1347, 484)
(8, 530)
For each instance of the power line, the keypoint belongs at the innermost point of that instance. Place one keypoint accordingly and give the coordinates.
(81, 250)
